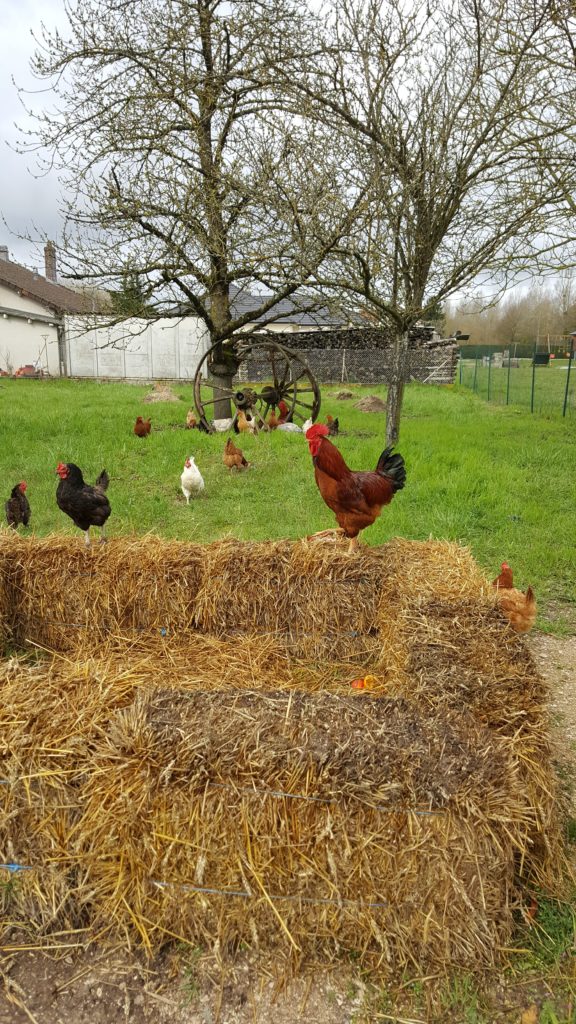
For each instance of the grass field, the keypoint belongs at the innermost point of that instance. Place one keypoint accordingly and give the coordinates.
(497, 479)
(549, 385)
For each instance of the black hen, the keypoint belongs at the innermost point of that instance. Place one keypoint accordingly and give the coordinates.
(87, 506)
(18, 507)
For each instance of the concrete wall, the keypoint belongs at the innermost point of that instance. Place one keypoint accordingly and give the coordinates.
(135, 349)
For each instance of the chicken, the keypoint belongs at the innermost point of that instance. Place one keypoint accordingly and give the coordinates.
(191, 480)
(356, 498)
(284, 411)
(289, 428)
(222, 425)
(273, 420)
(87, 506)
(191, 420)
(233, 457)
(18, 507)
(142, 427)
(333, 425)
(245, 426)
(520, 609)
(505, 579)
(307, 424)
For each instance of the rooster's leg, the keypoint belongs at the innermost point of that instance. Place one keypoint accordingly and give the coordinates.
(87, 537)
(103, 537)
(353, 545)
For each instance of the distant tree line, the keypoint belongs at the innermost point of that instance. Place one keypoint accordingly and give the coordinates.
(545, 314)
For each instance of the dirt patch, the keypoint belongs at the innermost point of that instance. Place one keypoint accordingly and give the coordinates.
(555, 657)
(370, 404)
(185, 987)
(162, 393)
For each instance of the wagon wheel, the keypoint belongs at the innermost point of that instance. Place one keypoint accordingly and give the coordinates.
(288, 378)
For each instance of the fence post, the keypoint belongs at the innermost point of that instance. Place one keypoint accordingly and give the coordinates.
(460, 360)
(533, 379)
(508, 378)
(475, 372)
(489, 372)
(570, 359)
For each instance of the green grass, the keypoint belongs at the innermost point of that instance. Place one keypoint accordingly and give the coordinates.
(549, 385)
(496, 479)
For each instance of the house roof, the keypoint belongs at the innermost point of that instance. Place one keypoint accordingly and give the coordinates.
(292, 310)
(31, 285)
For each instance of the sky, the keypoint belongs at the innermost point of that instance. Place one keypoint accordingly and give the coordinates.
(27, 204)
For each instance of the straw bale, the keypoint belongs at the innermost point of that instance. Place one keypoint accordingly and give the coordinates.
(190, 760)
(336, 817)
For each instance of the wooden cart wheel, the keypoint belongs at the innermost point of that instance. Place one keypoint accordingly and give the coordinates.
(287, 377)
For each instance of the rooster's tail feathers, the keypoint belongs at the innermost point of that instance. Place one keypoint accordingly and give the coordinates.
(102, 481)
(392, 465)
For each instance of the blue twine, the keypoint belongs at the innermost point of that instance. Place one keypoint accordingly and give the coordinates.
(248, 895)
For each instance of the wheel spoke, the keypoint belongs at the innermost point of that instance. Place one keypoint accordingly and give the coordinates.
(305, 404)
(211, 401)
(218, 387)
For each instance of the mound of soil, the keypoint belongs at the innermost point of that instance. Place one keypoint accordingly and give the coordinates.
(161, 393)
(371, 404)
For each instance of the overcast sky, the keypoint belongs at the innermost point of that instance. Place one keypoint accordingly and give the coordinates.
(25, 202)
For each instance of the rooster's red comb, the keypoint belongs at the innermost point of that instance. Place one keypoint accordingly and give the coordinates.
(317, 430)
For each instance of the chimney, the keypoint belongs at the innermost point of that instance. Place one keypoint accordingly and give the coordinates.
(4, 252)
(50, 261)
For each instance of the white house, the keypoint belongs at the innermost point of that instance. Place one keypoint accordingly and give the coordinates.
(32, 308)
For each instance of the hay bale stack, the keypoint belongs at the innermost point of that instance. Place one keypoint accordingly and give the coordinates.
(311, 821)
(194, 763)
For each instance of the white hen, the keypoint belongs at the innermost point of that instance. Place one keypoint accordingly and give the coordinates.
(289, 428)
(191, 480)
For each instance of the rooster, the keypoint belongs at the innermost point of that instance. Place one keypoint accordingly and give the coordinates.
(191, 479)
(284, 411)
(356, 498)
(233, 457)
(18, 507)
(142, 427)
(87, 506)
(520, 609)
(191, 420)
(333, 425)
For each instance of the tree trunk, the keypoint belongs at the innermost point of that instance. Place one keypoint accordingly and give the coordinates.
(221, 372)
(396, 388)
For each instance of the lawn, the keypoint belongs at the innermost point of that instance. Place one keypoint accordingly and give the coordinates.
(515, 388)
(496, 479)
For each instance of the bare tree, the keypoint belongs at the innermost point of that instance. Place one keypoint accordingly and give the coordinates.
(447, 109)
(565, 296)
(181, 167)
